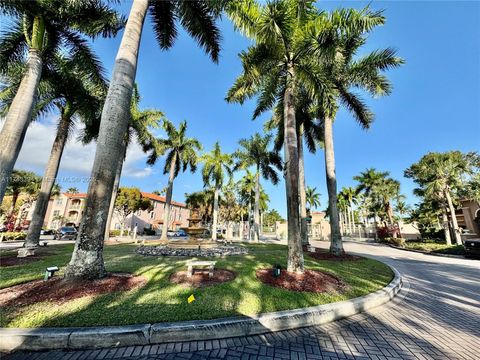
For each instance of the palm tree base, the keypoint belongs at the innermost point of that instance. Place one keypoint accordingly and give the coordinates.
(87, 265)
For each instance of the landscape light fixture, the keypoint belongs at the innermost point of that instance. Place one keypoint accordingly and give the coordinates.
(49, 272)
(277, 270)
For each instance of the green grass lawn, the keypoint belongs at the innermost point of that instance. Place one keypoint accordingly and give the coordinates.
(159, 300)
(432, 246)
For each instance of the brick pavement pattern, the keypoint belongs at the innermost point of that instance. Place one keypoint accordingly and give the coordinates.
(436, 316)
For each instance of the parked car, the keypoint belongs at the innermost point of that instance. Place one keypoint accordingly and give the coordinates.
(66, 233)
(171, 233)
(180, 233)
(472, 248)
(47, 232)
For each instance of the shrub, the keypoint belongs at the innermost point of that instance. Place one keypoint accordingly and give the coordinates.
(387, 231)
(13, 235)
(114, 233)
(397, 241)
(400, 242)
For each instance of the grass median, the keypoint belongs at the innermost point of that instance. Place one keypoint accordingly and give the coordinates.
(159, 300)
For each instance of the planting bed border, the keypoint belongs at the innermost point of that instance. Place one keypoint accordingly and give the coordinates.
(144, 334)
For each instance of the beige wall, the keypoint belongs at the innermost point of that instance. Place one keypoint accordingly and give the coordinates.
(72, 206)
(154, 218)
(469, 216)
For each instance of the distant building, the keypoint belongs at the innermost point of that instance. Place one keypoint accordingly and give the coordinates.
(67, 210)
(468, 218)
(154, 219)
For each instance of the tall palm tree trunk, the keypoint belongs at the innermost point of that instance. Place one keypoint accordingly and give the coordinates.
(456, 229)
(295, 250)
(301, 189)
(41, 204)
(336, 245)
(352, 219)
(256, 210)
(390, 218)
(215, 212)
(116, 185)
(445, 226)
(375, 226)
(166, 213)
(18, 118)
(87, 259)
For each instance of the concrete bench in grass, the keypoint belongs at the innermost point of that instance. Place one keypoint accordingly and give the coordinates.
(192, 264)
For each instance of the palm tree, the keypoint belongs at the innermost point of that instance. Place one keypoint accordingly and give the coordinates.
(308, 131)
(216, 164)
(246, 191)
(272, 68)
(348, 33)
(380, 189)
(76, 93)
(255, 152)
(21, 181)
(39, 30)
(181, 155)
(198, 19)
(139, 126)
(440, 176)
(350, 195)
(298, 46)
(312, 197)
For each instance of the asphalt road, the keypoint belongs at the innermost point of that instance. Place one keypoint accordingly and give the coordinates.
(436, 316)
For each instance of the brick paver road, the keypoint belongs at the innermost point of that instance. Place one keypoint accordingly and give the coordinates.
(436, 316)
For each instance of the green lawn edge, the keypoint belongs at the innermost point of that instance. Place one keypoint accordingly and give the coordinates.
(161, 301)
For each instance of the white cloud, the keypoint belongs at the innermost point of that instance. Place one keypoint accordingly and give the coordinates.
(77, 158)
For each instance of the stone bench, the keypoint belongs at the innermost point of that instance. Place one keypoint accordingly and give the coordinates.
(197, 264)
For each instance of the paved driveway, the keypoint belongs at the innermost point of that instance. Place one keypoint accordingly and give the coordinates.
(436, 316)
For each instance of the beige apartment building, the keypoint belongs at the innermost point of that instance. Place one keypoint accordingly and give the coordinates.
(468, 218)
(67, 210)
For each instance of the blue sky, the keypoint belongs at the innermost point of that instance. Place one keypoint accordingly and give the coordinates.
(435, 105)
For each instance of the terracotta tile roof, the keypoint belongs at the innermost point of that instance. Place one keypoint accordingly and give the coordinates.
(161, 199)
(78, 196)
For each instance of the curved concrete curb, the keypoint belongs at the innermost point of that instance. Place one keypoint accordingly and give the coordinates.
(111, 336)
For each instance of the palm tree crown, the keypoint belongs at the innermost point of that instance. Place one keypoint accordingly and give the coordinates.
(255, 152)
(313, 197)
(216, 165)
(181, 150)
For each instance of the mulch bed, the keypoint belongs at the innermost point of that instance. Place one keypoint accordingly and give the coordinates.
(200, 278)
(322, 254)
(309, 281)
(59, 291)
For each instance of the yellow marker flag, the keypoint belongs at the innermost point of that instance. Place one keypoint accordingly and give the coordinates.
(191, 299)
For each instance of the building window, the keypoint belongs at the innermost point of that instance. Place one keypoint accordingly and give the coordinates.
(56, 213)
(152, 215)
(155, 204)
(59, 201)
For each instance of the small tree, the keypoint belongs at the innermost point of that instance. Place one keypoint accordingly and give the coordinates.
(128, 201)
(216, 164)
(271, 217)
(72, 190)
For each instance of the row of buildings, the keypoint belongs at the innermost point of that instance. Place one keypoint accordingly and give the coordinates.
(67, 209)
